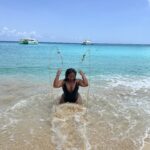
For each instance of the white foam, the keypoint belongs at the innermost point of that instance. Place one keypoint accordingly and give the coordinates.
(59, 138)
(83, 131)
(11, 137)
(19, 105)
(144, 137)
(134, 83)
(127, 81)
(62, 118)
(77, 118)
(42, 120)
(12, 122)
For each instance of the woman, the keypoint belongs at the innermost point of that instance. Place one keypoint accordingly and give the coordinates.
(70, 85)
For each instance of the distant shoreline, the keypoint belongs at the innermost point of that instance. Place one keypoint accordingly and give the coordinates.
(109, 44)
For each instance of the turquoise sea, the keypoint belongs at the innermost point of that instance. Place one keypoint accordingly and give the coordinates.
(116, 105)
(103, 59)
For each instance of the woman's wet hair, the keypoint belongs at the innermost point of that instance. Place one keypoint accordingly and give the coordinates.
(68, 71)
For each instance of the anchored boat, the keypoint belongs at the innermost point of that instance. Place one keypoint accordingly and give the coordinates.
(86, 42)
(28, 41)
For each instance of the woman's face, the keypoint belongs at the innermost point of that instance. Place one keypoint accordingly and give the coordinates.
(71, 77)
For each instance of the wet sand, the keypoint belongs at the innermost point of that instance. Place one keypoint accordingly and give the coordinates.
(32, 119)
(147, 144)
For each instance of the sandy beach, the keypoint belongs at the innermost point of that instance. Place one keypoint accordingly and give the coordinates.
(147, 144)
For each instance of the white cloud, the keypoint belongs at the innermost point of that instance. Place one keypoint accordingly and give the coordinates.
(5, 28)
(13, 33)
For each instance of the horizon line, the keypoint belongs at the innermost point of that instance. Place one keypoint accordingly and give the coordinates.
(96, 43)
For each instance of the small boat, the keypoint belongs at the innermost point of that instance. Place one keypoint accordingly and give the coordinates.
(28, 41)
(86, 42)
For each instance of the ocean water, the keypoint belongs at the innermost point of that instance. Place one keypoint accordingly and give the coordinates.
(116, 105)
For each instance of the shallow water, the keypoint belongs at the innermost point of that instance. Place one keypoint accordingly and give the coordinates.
(113, 116)
(116, 106)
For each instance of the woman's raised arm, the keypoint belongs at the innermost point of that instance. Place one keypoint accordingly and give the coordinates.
(57, 83)
(84, 81)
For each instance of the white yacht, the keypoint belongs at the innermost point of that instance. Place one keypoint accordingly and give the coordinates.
(86, 42)
(28, 41)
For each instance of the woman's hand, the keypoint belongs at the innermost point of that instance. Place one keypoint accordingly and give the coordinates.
(59, 72)
(81, 73)
(84, 81)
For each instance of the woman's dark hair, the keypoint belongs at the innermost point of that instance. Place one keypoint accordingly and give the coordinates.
(68, 71)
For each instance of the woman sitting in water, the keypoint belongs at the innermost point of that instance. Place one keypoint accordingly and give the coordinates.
(70, 86)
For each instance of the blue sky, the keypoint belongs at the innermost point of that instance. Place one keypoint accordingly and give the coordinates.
(109, 21)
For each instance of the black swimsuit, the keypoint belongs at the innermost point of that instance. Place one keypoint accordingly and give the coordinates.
(70, 96)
